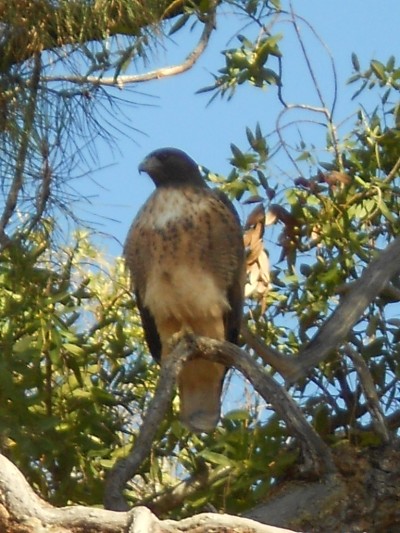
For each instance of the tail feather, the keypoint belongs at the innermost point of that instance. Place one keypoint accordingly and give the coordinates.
(200, 385)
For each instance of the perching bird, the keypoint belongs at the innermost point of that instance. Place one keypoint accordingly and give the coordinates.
(186, 257)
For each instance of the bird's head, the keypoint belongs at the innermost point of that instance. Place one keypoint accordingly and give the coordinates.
(170, 166)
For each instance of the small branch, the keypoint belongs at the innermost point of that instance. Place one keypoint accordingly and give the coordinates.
(176, 496)
(306, 57)
(126, 468)
(371, 396)
(284, 364)
(392, 174)
(163, 72)
(25, 135)
(335, 330)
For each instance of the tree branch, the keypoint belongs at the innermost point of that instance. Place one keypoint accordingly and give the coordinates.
(286, 365)
(163, 72)
(126, 468)
(25, 135)
(316, 452)
(335, 330)
(371, 396)
(22, 510)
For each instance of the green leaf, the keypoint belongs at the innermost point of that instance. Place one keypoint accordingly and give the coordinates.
(355, 62)
(378, 69)
(217, 458)
(179, 23)
(74, 349)
(237, 414)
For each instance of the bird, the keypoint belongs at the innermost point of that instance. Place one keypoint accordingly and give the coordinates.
(186, 258)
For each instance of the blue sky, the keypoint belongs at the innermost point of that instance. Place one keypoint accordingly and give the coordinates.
(169, 113)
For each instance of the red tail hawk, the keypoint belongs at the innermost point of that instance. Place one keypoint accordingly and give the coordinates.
(185, 254)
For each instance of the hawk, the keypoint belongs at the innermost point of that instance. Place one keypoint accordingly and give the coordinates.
(185, 254)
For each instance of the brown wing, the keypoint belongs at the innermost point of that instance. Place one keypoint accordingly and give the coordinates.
(150, 329)
(235, 290)
(136, 252)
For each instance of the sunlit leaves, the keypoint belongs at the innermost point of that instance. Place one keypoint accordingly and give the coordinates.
(247, 64)
(62, 407)
(384, 75)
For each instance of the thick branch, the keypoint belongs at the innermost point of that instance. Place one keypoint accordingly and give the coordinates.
(230, 355)
(223, 523)
(25, 511)
(19, 499)
(126, 468)
(335, 330)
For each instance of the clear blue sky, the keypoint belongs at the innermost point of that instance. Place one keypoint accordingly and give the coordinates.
(169, 113)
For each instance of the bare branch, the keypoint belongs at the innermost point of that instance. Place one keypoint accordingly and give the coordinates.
(163, 72)
(335, 330)
(17, 182)
(24, 504)
(315, 450)
(221, 523)
(371, 396)
(25, 511)
(126, 468)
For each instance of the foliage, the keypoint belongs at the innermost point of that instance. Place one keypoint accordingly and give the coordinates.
(67, 329)
(75, 378)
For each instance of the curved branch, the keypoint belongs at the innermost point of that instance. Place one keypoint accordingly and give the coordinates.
(126, 467)
(163, 72)
(283, 404)
(373, 280)
(315, 450)
(286, 365)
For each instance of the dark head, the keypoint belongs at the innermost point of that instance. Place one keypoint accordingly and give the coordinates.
(170, 166)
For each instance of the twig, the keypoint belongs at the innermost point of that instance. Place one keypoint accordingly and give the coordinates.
(176, 496)
(306, 58)
(371, 396)
(26, 129)
(393, 172)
